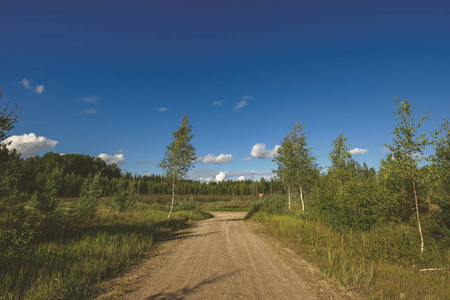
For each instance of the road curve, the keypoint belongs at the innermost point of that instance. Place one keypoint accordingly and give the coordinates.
(219, 258)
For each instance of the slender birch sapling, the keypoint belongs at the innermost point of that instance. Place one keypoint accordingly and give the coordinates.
(179, 157)
(407, 148)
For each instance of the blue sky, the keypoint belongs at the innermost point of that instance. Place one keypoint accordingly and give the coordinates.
(116, 77)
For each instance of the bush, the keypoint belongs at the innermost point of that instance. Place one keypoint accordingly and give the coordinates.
(188, 204)
(90, 192)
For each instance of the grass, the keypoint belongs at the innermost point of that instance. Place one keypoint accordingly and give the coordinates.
(382, 263)
(206, 202)
(69, 257)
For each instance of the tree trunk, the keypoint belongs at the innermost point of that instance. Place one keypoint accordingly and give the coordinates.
(173, 198)
(301, 197)
(418, 216)
(417, 211)
(415, 197)
(289, 196)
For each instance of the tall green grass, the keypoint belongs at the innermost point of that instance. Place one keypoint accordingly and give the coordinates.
(382, 263)
(70, 257)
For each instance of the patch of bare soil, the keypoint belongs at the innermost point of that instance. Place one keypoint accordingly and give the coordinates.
(222, 258)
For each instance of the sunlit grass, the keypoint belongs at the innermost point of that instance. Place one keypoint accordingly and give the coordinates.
(70, 256)
(380, 264)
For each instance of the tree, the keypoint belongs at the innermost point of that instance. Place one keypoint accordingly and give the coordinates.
(442, 163)
(407, 150)
(296, 164)
(46, 197)
(7, 120)
(89, 195)
(179, 156)
(124, 197)
(341, 161)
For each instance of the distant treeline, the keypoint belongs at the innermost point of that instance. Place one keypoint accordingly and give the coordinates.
(30, 174)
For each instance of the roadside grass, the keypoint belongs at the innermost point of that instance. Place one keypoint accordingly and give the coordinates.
(383, 263)
(71, 256)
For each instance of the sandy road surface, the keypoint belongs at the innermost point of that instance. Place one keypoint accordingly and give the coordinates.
(221, 258)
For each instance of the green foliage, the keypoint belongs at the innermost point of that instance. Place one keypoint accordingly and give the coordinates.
(45, 198)
(7, 119)
(189, 204)
(179, 156)
(296, 164)
(273, 204)
(125, 195)
(346, 196)
(342, 164)
(16, 232)
(180, 153)
(90, 193)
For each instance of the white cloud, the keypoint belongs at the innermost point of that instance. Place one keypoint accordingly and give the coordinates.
(88, 111)
(220, 177)
(218, 103)
(119, 151)
(357, 151)
(30, 144)
(117, 159)
(90, 99)
(161, 109)
(248, 159)
(241, 178)
(39, 89)
(146, 173)
(243, 102)
(26, 83)
(211, 159)
(260, 151)
(385, 150)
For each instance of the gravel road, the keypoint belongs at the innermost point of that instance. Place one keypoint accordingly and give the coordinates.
(222, 258)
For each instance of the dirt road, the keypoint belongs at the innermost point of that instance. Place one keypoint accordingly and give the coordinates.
(221, 258)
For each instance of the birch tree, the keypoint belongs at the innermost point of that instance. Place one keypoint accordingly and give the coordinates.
(296, 164)
(179, 157)
(407, 150)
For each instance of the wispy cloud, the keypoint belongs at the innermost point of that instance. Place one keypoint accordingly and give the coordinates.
(244, 102)
(162, 109)
(211, 159)
(88, 111)
(247, 159)
(93, 101)
(218, 102)
(358, 151)
(29, 144)
(90, 99)
(260, 151)
(26, 84)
